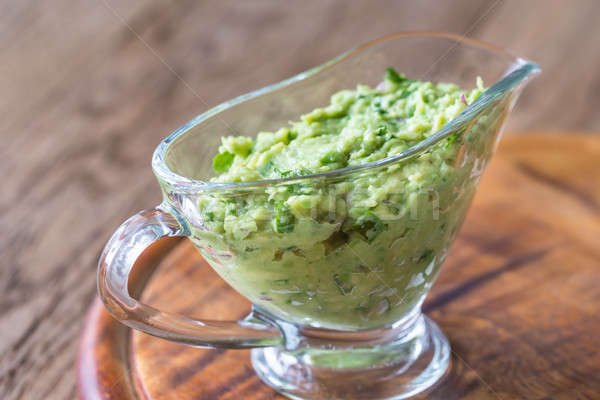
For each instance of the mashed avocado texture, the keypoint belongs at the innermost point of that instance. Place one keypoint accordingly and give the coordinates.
(353, 252)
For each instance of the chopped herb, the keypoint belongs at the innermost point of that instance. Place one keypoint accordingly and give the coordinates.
(291, 135)
(295, 172)
(381, 130)
(333, 157)
(451, 139)
(223, 161)
(378, 108)
(269, 167)
(392, 76)
(405, 93)
(295, 188)
(370, 226)
(284, 219)
(394, 207)
(234, 207)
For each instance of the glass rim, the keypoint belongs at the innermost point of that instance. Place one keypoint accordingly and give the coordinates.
(522, 70)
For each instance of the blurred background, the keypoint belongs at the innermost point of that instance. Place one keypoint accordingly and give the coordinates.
(89, 88)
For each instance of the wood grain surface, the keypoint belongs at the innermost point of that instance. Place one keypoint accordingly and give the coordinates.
(89, 88)
(518, 297)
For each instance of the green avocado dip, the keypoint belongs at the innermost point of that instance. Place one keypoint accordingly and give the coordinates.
(354, 251)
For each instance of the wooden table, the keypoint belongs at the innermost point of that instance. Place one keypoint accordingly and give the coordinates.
(85, 101)
(518, 297)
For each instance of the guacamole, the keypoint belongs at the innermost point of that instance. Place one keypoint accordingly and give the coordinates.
(354, 251)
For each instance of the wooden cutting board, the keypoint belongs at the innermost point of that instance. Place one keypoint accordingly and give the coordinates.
(518, 298)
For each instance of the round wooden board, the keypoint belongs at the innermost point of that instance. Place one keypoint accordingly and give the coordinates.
(519, 297)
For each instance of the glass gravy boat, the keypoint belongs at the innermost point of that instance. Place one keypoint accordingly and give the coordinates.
(334, 316)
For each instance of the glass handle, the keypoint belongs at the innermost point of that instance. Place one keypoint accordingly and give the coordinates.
(114, 268)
